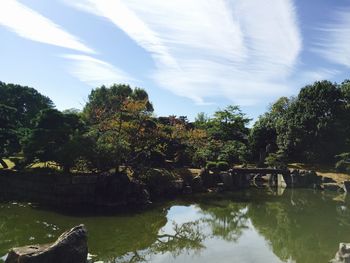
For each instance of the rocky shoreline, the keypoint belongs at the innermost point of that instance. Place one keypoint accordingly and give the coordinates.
(109, 191)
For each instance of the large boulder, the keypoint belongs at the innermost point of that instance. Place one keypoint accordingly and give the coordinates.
(305, 179)
(70, 247)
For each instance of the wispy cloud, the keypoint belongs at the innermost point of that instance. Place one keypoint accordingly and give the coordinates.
(29, 24)
(318, 74)
(243, 50)
(334, 44)
(95, 72)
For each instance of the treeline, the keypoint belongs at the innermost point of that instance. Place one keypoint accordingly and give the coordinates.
(117, 130)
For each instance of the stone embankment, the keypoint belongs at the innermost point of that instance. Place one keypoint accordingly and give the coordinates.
(72, 191)
(114, 191)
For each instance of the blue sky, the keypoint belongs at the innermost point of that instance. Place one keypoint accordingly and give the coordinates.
(190, 55)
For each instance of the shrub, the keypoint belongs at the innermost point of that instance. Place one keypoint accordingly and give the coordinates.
(159, 182)
(276, 160)
(210, 166)
(222, 166)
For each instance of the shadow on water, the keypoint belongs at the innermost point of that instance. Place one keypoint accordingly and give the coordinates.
(297, 226)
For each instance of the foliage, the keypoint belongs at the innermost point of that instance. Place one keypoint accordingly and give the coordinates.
(211, 166)
(276, 160)
(121, 126)
(9, 142)
(118, 130)
(28, 102)
(159, 181)
(313, 127)
(56, 137)
(19, 105)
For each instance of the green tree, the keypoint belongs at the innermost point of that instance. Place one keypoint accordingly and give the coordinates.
(263, 135)
(315, 125)
(229, 124)
(120, 124)
(28, 102)
(56, 137)
(9, 143)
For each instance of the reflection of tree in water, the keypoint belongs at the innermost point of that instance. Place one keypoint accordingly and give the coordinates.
(226, 219)
(186, 238)
(304, 226)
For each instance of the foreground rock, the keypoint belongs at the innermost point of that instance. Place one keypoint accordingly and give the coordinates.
(70, 247)
(343, 254)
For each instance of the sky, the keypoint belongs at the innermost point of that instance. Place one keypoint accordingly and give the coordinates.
(190, 56)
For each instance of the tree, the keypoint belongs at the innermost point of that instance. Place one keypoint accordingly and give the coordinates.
(56, 137)
(263, 135)
(28, 102)
(314, 128)
(229, 124)
(9, 143)
(120, 124)
(227, 137)
(25, 103)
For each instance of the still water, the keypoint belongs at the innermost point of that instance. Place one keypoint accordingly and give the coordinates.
(301, 226)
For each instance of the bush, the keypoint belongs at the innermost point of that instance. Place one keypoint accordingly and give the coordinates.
(159, 182)
(210, 166)
(222, 166)
(276, 160)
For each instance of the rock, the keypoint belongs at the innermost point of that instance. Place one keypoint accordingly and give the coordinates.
(305, 179)
(346, 186)
(281, 183)
(327, 180)
(343, 254)
(333, 187)
(70, 247)
(220, 187)
(187, 189)
(178, 185)
(226, 179)
(197, 184)
(207, 178)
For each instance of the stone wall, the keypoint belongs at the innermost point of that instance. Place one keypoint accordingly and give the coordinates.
(68, 190)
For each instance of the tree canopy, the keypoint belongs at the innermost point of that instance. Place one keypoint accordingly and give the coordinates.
(117, 129)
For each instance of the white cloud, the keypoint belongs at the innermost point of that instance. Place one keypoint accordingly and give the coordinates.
(95, 72)
(243, 50)
(31, 25)
(308, 77)
(334, 45)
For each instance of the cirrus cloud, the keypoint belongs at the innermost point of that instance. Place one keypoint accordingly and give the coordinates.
(29, 24)
(243, 50)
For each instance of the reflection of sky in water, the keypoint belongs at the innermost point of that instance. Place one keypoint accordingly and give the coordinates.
(180, 215)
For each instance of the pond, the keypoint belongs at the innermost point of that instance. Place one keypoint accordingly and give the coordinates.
(249, 226)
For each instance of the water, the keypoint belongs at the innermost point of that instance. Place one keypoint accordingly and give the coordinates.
(252, 226)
